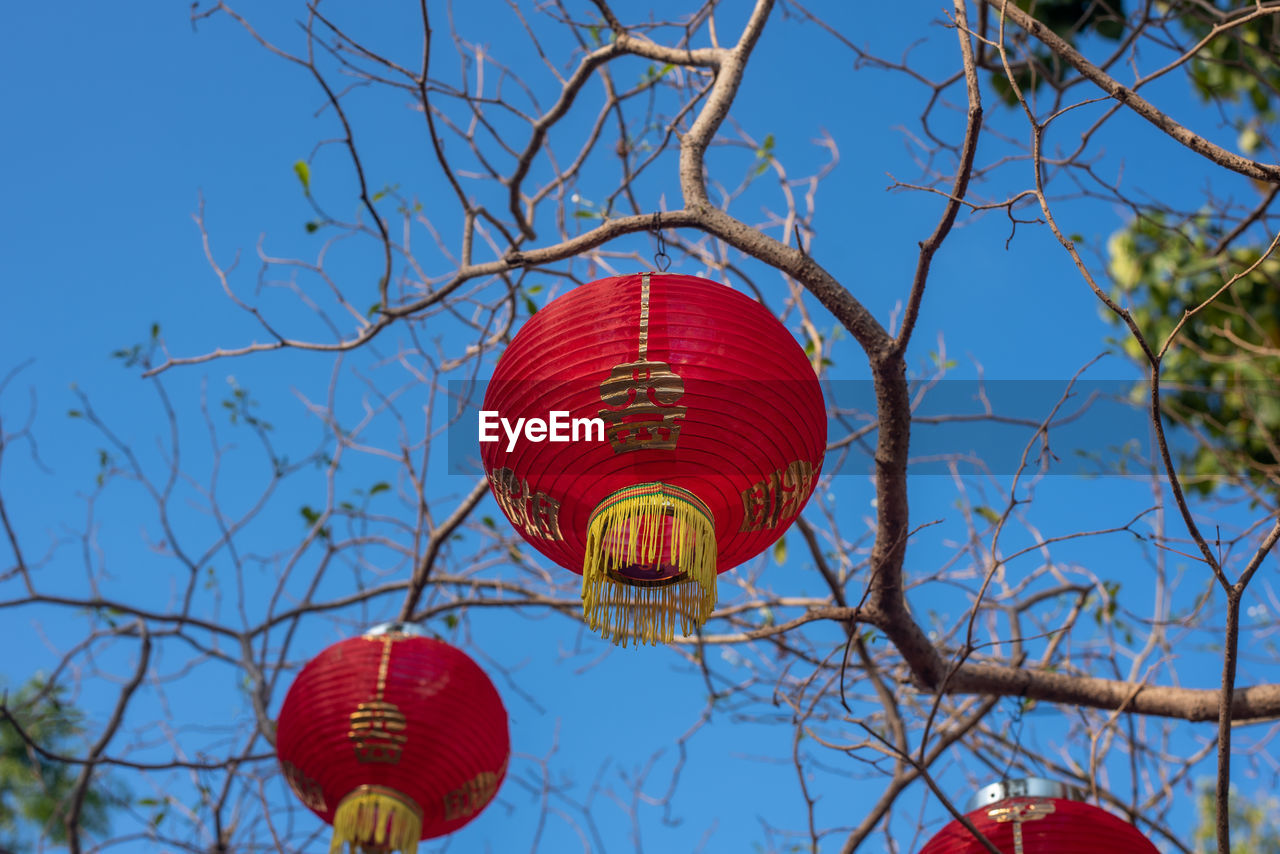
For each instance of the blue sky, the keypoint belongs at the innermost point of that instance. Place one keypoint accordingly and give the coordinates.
(121, 122)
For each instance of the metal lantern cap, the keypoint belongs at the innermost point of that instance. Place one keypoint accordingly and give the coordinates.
(1027, 787)
(395, 628)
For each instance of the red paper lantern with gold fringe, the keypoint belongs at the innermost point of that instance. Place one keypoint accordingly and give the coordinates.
(1037, 816)
(393, 737)
(708, 437)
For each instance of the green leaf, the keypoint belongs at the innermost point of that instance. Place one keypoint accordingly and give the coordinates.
(380, 486)
(1250, 140)
(530, 306)
(303, 171)
(780, 551)
(987, 513)
(654, 73)
(1110, 28)
(384, 192)
(451, 620)
(312, 226)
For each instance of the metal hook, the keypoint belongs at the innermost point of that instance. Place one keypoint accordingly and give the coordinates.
(661, 260)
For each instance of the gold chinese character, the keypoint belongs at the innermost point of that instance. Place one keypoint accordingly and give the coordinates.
(307, 790)
(471, 796)
(644, 416)
(377, 732)
(767, 502)
(643, 396)
(535, 512)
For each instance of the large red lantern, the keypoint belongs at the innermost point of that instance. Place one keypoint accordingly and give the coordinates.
(1036, 816)
(672, 429)
(393, 737)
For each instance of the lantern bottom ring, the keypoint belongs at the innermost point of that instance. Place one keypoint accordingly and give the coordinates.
(658, 581)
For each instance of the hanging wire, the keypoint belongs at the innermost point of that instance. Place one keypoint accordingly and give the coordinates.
(661, 260)
(1015, 729)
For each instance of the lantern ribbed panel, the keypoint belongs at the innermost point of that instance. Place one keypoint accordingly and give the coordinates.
(435, 711)
(751, 422)
(1073, 827)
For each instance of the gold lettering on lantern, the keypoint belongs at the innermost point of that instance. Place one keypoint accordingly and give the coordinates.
(537, 513)
(307, 790)
(473, 795)
(643, 396)
(378, 727)
(767, 502)
(377, 731)
(1018, 813)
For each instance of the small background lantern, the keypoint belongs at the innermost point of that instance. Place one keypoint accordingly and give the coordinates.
(393, 737)
(714, 430)
(1038, 816)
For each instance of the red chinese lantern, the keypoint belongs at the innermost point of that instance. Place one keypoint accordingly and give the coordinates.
(672, 429)
(1036, 816)
(393, 737)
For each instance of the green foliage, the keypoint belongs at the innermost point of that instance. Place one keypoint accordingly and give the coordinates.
(987, 513)
(1218, 377)
(303, 171)
(764, 156)
(1069, 19)
(1254, 829)
(1238, 66)
(311, 517)
(35, 791)
(240, 407)
(654, 73)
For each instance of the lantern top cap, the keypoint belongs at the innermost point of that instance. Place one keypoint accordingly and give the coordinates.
(1028, 787)
(395, 628)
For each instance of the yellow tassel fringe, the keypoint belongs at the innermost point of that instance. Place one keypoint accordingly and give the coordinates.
(376, 819)
(620, 609)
